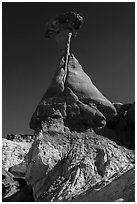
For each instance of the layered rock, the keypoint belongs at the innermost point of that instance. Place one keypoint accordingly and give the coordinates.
(77, 102)
(69, 167)
(72, 96)
(70, 160)
(75, 155)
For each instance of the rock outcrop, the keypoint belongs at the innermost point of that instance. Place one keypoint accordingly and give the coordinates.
(69, 160)
(14, 151)
(78, 167)
(72, 96)
(83, 148)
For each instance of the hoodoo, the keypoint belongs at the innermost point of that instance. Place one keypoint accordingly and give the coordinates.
(76, 99)
(82, 149)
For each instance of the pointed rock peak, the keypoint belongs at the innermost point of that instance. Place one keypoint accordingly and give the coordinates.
(72, 99)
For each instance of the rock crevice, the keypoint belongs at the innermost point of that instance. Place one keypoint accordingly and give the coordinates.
(83, 145)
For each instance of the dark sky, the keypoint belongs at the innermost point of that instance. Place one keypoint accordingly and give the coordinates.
(104, 47)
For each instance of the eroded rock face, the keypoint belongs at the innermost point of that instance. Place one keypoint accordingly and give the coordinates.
(72, 99)
(74, 167)
(70, 159)
(74, 156)
(13, 153)
(73, 102)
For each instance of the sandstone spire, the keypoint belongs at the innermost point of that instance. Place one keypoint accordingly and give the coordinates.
(71, 97)
(68, 159)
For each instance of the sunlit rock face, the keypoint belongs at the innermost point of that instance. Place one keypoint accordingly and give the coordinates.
(73, 100)
(13, 153)
(70, 159)
(79, 167)
(82, 149)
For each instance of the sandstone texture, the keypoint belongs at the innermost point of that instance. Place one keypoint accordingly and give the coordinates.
(83, 145)
(79, 167)
(14, 151)
(75, 102)
(73, 158)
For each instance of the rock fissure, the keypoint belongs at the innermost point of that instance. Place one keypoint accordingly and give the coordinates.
(75, 153)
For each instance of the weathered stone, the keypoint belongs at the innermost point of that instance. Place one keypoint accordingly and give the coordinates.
(72, 92)
(70, 159)
(82, 86)
(9, 185)
(120, 189)
(13, 153)
(75, 100)
(68, 167)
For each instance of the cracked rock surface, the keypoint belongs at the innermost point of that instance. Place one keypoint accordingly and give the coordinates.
(76, 103)
(14, 151)
(78, 167)
(83, 145)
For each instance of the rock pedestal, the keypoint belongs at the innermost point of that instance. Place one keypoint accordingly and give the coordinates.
(78, 154)
(70, 160)
(72, 99)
